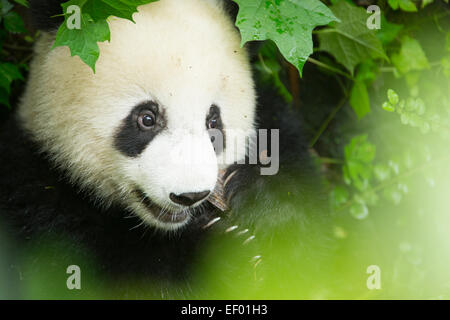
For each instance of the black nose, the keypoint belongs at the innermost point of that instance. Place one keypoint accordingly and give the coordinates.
(188, 198)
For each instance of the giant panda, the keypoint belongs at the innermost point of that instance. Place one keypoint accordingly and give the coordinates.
(120, 167)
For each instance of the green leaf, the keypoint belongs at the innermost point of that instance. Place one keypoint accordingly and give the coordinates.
(360, 149)
(393, 4)
(426, 2)
(94, 27)
(388, 107)
(102, 9)
(8, 73)
(288, 23)
(83, 42)
(350, 41)
(22, 2)
(359, 210)
(404, 5)
(359, 154)
(382, 172)
(5, 6)
(411, 56)
(339, 196)
(359, 99)
(367, 71)
(14, 23)
(389, 31)
(392, 96)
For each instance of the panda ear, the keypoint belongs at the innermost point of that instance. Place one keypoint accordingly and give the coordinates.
(232, 9)
(43, 14)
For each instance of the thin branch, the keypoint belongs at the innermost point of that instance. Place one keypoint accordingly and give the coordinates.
(331, 160)
(328, 67)
(327, 121)
(18, 48)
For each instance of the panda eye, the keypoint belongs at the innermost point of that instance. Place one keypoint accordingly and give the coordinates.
(213, 120)
(212, 124)
(146, 120)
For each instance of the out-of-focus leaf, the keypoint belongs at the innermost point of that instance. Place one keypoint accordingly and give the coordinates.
(8, 73)
(382, 172)
(367, 71)
(5, 6)
(359, 154)
(14, 23)
(404, 5)
(426, 2)
(388, 31)
(392, 96)
(339, 196)
(359, 210)
(22, 2)
(359, 99)
(411, 56)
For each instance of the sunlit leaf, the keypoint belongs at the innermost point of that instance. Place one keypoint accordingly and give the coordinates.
(288, 23)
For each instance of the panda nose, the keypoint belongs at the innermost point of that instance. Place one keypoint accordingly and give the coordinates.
(188, 198)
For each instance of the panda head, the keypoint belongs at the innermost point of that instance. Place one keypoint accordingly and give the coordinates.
(136, 132)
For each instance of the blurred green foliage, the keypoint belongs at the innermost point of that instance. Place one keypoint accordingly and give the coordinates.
(383, 147)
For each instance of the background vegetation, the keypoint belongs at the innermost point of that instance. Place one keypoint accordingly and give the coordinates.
(376, 105)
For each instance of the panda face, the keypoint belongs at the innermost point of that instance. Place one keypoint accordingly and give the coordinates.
(136, 132)
(169, 159)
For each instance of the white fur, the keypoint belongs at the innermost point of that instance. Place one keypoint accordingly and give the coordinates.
(184, 54)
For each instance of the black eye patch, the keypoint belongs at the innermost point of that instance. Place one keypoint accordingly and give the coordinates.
(214, 125)
(130, 139)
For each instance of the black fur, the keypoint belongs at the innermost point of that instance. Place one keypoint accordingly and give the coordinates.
(46, 14)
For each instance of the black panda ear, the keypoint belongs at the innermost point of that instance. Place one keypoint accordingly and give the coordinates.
(232, 8)
(43, 14)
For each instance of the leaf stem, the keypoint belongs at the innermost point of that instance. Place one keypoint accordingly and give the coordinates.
(331, 160)
(18, 48)
(326, 66)
(327, 121)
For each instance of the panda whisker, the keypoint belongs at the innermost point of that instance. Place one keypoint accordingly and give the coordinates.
(146, 228)
(137, 226)
(231, 229)
(211, 222)
(248, 240)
